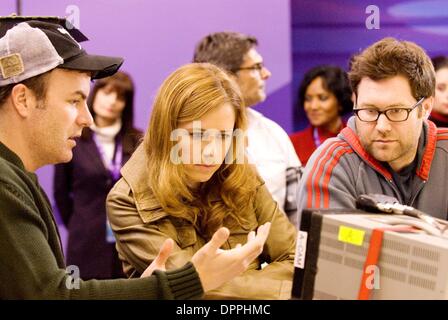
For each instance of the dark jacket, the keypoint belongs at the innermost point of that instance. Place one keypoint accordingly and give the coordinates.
(440, 120)
(80, 190)
(31, 261)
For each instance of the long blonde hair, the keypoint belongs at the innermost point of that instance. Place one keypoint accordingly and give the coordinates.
(186, 95)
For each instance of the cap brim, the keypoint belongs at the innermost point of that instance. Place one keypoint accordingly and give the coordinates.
(99, 66)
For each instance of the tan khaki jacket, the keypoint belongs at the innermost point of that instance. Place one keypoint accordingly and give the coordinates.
(141, 226)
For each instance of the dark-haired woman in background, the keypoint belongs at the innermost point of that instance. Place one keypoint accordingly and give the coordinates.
(81, 186)
(439, 114)
(325, 95)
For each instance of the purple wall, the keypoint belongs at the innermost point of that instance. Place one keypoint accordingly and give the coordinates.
(155, 37)
(8, 7)
(329, 32)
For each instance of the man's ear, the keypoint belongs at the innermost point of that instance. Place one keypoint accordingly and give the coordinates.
(23, 99)
(427, 105)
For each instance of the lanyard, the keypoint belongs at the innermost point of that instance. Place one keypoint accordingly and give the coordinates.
(316, 137)
(114, 165)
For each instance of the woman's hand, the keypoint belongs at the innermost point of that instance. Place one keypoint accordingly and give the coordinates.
(159, 262)
(216, 266)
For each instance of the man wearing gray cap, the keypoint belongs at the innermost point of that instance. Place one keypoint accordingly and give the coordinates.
(44, 82)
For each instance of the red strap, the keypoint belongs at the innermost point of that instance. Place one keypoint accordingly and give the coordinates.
(373, 255)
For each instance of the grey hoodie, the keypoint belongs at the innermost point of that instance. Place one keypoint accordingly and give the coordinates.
(340, 170)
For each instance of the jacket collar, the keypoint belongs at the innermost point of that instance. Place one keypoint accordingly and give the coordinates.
(439, 117)
(10, 156)
(425, 150)
(136, 175)
(13, 158)
(253, 116)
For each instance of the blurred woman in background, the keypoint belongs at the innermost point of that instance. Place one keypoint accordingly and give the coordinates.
(325, 95)
(439, 114)
(81, 186)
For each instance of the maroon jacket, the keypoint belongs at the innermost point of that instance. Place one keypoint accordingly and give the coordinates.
(440, 120)
(304, 144)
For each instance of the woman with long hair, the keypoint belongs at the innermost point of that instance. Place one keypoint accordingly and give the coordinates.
(190, 177)
(81, 186)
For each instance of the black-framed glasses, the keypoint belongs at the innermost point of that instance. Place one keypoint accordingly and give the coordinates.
(392, 114)
(258, 66)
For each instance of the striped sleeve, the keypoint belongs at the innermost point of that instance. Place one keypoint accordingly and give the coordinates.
(326, 182)
(442, 134)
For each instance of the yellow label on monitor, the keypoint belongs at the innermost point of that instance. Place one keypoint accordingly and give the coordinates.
(351, 235)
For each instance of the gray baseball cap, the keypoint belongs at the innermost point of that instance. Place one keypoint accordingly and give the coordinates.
(35, 47)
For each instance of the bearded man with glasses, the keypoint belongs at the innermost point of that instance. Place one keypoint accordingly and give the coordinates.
(389, 147)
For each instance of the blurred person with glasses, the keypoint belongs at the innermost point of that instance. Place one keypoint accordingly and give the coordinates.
(388, 147)
(269, 146)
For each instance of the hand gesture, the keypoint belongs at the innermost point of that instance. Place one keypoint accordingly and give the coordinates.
(159, 262)
(216, 266)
